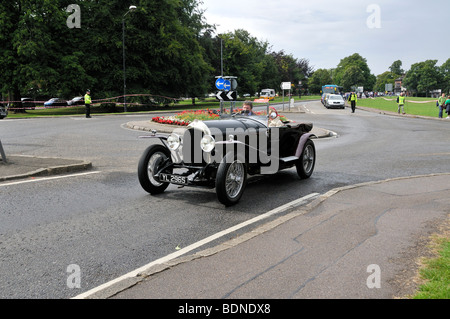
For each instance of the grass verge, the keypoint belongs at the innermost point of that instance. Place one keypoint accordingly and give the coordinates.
(413, 105)
(435, 272)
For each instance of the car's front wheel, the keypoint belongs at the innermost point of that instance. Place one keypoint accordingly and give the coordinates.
(305, 164)
(230, 180)
(153, 159)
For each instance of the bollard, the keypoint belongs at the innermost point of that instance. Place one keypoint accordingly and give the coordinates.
(2, 153)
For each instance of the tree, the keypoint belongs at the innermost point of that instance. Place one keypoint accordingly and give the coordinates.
(353, 76)
(423, 77)
(245, 57)
(38, 56)
(358, 61)
(163, 56)
(445, 76)
(387, 77)
(396, 68)
(290, 69)
(319, 78)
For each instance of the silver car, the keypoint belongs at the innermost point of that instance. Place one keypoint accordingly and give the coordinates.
(334, 101)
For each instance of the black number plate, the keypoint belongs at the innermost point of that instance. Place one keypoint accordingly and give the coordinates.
(174, 179)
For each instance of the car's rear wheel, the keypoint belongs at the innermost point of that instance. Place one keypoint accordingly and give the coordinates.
(153, 159)
(305, 164)
(230, 180)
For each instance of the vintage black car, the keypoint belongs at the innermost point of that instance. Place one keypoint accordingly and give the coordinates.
(221, 153)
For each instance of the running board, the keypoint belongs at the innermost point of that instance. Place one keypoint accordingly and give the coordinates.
(289, 159)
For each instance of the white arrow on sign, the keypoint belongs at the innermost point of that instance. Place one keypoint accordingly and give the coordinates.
(230, 96)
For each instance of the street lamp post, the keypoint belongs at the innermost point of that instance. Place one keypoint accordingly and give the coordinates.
(130, 9)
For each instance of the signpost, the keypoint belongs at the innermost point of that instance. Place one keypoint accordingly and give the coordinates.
(2, 153)
(227, 86)
(286, 86)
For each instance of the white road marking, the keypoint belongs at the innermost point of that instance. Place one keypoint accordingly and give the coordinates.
(198, 244)
(38, 179)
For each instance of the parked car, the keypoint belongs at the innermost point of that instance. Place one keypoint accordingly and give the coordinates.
(28, 103)
(335, 101)
(267, 94)
(324, 98)
(55, 102)
(221, 153)
(79, 100)
(3, 111)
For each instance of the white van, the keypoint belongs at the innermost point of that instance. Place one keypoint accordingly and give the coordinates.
(267, 94)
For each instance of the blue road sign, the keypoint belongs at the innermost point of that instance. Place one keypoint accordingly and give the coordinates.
(227, 85)
(219, 83)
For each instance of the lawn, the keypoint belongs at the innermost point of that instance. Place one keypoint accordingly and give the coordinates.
(413, 105)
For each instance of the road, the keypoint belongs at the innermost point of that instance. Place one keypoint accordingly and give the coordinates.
(108, 226)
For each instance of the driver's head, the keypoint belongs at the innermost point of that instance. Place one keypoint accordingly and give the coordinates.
(247, 106)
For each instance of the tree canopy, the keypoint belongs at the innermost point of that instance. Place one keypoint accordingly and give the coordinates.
(170, 50)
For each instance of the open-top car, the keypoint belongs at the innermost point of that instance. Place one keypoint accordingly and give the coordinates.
(221, 153)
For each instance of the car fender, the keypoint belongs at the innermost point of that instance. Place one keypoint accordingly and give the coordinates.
(301, 143)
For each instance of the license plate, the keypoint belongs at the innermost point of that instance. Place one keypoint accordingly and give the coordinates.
(174, 179)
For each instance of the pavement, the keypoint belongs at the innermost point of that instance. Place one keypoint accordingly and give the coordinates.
(359, 241)
(24, 166)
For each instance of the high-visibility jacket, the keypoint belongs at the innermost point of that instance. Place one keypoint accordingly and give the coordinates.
(87, 99)
(353, 97)
(401, 100)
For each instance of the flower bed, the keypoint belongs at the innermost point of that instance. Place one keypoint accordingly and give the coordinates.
(186, 117)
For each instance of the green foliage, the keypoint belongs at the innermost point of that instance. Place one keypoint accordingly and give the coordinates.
(437, 275)
(354, 71)
(44, 57)
(423, 77)
(383, 79)
(170, 51)
(396, 68)
(319, 78)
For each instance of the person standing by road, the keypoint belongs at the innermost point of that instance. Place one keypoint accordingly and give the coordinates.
(441, 104)
(353, 99)
(401, 103)
(447, 105)
(87, 103)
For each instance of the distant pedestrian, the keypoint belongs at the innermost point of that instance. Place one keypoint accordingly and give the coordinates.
(353, 99)
(87, 103)
(401, 103)
(441, 104)
(447, 105)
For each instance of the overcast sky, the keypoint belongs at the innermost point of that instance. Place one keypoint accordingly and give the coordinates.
(325, 31)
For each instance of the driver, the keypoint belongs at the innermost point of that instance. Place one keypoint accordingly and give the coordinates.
(247, 108)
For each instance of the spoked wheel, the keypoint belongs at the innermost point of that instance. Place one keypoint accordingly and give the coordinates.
(153, 159)
(305, 164)
(230, 180)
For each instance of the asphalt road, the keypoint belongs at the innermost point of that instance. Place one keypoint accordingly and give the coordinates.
(107, 225)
